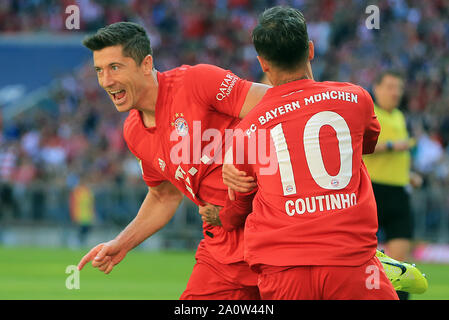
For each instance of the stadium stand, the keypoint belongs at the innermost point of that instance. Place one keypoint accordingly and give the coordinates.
(73, 128)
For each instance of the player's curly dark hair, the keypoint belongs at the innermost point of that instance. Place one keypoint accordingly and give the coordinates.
(131, 36)
(281, 37)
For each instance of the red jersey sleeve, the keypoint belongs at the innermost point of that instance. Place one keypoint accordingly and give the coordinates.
(239, 150)
(234, 213)
(151, 177)
(221, 89)
(372, 128)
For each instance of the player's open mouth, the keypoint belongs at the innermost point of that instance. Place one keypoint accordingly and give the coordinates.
(118, 96)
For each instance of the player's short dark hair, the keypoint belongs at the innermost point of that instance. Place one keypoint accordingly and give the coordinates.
(389, 72)
(281, 37)
(131, 36)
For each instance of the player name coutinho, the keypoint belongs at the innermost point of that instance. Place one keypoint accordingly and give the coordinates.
(320, 203)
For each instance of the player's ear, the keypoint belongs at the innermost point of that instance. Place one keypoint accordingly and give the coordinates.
(311, 51)
(147, 64)
(263, 64)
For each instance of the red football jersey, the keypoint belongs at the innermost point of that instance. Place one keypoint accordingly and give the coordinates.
(314, 206)
(195, 105)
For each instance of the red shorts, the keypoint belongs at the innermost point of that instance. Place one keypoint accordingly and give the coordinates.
(212, 280)
(365, 282)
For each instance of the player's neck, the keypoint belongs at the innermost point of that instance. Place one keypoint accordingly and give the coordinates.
(147, 107)
(148, 118)
(282, 78)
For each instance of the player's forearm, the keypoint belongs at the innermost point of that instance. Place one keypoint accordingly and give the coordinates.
(234, 213)
(382, 147)
(394, 145)
(154, 213)
(255, 94)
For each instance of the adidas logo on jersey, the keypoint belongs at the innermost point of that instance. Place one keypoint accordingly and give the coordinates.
(162, 164)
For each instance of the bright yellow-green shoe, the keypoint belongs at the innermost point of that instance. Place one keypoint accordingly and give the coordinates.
(404, 276)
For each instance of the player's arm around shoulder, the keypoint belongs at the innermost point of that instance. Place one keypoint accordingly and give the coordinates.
(254, 96)
(222, 89)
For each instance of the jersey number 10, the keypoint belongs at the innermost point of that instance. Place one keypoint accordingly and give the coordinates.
(313, 153)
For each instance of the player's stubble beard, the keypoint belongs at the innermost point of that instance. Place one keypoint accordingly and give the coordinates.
(134, 89)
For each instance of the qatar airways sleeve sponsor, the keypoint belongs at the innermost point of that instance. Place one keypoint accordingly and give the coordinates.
(226, 86)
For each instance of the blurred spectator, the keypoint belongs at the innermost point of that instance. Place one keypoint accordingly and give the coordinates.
(8, 163)
(429, 152)
(82, 208)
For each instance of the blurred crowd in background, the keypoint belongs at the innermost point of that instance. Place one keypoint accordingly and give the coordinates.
(81, 139)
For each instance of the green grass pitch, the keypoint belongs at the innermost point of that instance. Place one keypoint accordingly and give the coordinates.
(36, 273)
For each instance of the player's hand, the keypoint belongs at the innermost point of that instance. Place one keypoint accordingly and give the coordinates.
(237, 180)
(209, 214)
(231, 194)
(104, 256)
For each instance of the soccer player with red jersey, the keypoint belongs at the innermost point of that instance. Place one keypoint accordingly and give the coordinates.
(178, 110)
(167, 130)
(312, 230)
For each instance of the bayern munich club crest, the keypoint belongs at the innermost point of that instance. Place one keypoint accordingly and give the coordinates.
(335, 183)
(180, 124)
